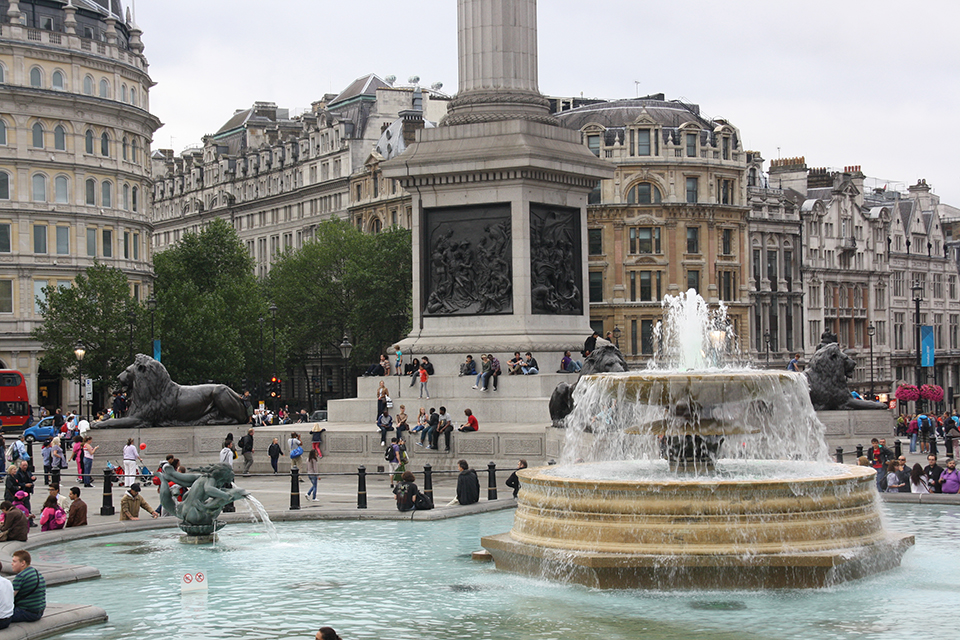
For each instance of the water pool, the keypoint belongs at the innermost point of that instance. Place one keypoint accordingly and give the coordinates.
(415, 580)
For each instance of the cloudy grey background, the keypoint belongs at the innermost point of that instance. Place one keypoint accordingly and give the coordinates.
(846, 82)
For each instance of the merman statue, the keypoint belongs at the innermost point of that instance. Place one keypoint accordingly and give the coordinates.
(208, 490)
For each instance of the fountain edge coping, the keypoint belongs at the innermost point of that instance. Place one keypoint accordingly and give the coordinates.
(57, 619)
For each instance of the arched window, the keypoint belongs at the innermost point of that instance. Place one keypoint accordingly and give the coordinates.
(123, 93)
(88, 85)
(60, 138)
(2, 73)
(3, 132)
(37, 135)
(91, 192)
(125, 145)
(104, 144)
(39, 188)
(136, 197)
(60, 189)
(126, 197)
(135, 157)
(58, 80)
(36, 77)
(88, 141)
(104, 88)
(644, 193)
(133, 96)
(4, 185)
(106, 195)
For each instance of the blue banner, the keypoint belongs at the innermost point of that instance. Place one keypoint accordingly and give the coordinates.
(156, 349)
(926, 346)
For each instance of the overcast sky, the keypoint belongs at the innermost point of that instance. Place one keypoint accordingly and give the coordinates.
(854, 82)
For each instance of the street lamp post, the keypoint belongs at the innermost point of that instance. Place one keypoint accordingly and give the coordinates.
(766, 340)
(260, 390)
(345, 350)
(616, 336)
(917, 290)
(273, 317)
(79, 352)
(871, 331)
(152, 306)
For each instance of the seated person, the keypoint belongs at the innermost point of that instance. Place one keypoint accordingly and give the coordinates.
(15, 525)
(29, 590)
(529, 366)
(468, 485)
(468, 367)
(406, 491)
(385, 364)
(515, 364)
(471, 424)
(374, 370)
(413, 370)
(427, 365)
(568, 364)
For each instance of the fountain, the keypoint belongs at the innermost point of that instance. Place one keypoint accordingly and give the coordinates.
(697, 473)
(209, 490)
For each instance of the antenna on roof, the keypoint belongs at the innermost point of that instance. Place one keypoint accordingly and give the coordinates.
(637, 84)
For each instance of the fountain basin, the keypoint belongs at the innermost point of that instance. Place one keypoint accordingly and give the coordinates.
(818, 524)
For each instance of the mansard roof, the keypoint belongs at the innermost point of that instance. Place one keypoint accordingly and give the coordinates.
(620, 113)
(363, 87)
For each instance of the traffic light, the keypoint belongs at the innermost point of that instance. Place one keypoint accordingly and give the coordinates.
(279, 388)
(274, 389)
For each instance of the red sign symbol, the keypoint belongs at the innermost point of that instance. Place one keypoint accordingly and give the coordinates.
(187, 578)
(199, 577)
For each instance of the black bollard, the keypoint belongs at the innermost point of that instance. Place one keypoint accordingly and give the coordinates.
(55, 476)
(933, 445)
(839, 455)
(897, 448)
(30, 466)
(361, 487)
(491, 481)
(859, 451)
(948, 446)
(428, 480)
(294, 489)
(107, 508)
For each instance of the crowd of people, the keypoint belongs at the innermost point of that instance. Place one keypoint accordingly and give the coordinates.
(895, 475)
(924, 429)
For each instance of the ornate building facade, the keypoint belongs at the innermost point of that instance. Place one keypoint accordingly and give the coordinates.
(674, 217)
(75, 134)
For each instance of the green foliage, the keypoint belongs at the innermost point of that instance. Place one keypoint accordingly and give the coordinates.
(94, 312)
(342, 282)
(208, 300)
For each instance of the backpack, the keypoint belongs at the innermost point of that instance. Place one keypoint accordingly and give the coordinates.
(423, 502)
(388, 453)
(13, 453)
(59, 517)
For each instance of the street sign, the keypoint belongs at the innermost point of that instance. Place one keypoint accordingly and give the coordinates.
(88, 389)
(193, 582)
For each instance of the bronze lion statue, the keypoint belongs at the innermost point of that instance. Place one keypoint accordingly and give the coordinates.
(154, 400)
(605, 358)
(827, 375)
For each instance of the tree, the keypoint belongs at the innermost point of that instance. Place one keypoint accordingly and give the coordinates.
(92, 312)
(342, 282)
(208, 301)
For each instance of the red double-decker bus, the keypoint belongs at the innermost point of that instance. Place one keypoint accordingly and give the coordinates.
(14, 401)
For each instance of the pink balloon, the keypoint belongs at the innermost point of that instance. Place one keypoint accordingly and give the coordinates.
(143, 446)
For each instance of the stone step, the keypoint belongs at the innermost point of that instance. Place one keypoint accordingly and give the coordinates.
(447, 386)
(488, 406)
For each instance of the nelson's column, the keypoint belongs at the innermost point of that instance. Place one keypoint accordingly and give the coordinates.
(499, 200)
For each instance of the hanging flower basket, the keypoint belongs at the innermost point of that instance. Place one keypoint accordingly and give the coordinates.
(932, 392)
(908, 393)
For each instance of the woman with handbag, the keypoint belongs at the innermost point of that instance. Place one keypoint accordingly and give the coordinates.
(296, 449)
(381, 398)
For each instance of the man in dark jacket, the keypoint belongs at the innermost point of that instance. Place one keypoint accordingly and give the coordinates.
(468, 486)
(246, 449)
(933, 471)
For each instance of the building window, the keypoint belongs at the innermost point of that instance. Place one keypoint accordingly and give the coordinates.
(38, 294)
(124, 148)
(646, 337)
(3, 132)
(693, 239)
(938, 285)
(6, 296)
(5, 246)
(650, 284)
(728, 285)
(107, 243)
(91, 191)
(725, 146)
(63, 241)
(726, 242)
(37, 135)
(136, 246)
(104, 144)
(643, 142)
(58, 80)
(693, 280)
(595, 242)
(645, 240)
(60, 138)
(36, 78)
(773, 274)
(126, 245)
(691, 145)
(725, 191)
(88, 141)
(593, 143)
(123, 93)
(88, 85)
(898, 330)
(596, 286)
(126, 198)
(4, 186)
(952, 287)
(136, 194)
(644, 193)
(104, 88)
(106, 194)
(60, 189)
(133, 96)
(92, 242)
(39, 239)
(135, 151)
(692, 190)
(954, 323)
(39, 188)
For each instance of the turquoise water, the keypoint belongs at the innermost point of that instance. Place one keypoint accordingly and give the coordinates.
(415, 580)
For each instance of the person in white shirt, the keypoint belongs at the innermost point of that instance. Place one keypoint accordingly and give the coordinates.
(6, 602)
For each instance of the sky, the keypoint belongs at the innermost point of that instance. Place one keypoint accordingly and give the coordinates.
(854, 82)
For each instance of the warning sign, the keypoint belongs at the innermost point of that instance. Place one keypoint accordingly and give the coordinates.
(193, 582)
